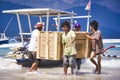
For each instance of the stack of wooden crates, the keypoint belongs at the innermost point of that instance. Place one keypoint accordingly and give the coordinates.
(50, 45)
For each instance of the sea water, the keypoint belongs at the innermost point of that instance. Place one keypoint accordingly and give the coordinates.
(9, 70)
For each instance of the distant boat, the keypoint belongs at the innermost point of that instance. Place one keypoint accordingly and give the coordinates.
(3, 38)
(26, 37)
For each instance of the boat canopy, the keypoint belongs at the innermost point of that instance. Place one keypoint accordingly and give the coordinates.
(39, 12)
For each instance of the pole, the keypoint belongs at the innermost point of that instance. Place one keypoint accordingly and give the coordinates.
(72, 21)
(47, 21)
(40, 18)
(29, 22)
(88, 21)
(58, 24)
(20, 29)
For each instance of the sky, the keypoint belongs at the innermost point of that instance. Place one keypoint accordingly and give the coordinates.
(113, 5)
(106, 12)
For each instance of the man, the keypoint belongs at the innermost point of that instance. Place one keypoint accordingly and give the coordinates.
(97, 45)
(77, 28)
(69, 51)
(33, 46)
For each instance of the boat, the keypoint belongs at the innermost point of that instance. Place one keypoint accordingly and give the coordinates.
(3, 39)
(41, 13)
(44, 51)
(26, 37)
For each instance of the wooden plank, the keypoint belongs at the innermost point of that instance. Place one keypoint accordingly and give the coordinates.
(59, 46)
(38, 46)
(47, 45)
(42, 46)
(51, 45)
(80, 47)
(55, 45)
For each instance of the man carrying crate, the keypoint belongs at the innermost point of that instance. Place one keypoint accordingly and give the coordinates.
(69, 50)
(33, 46)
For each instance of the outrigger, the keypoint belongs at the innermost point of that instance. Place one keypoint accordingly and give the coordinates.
(49, 42)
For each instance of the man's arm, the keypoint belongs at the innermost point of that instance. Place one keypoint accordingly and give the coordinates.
(88, 36)
(72, 41)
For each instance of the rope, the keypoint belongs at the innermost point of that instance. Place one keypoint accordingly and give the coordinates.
(8, 24)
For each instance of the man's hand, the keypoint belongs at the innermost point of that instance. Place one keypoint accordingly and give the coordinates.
(70, 44)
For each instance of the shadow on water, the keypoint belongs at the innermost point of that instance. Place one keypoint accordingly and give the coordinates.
(50, 63)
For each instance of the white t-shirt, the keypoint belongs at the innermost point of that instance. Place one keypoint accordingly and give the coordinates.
(33, 41)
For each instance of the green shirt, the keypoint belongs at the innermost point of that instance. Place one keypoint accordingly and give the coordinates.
(66, 39)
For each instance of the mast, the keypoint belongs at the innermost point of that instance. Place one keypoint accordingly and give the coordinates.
(88, 19)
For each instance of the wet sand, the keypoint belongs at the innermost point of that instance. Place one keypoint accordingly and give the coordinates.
(55, 72)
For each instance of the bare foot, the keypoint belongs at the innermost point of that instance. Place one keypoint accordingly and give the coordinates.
(65, 74)
(29, 70)
(99, 72)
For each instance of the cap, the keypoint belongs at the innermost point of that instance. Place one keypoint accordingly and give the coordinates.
(77, 25)
(38, 25)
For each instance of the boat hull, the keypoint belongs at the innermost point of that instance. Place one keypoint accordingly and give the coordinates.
(4, 41)
(26, 62)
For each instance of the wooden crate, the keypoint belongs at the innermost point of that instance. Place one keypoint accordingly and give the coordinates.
(50, 45)
(83, 45)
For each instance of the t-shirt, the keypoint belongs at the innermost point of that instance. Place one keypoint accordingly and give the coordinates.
(66, 39)
(33, 41)
(97, 43)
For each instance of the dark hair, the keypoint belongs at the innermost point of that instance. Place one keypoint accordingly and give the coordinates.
(94, 24)
(66, 23)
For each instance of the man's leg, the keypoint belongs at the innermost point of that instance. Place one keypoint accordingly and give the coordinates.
(99, 64)
(78, 63)
(35, 63)
(33, 67)
(93, 61)
(72, 63)
(65, 64)
(65, 70)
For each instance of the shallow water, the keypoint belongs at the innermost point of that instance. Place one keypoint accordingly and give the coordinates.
(9, 70)
(57, 74)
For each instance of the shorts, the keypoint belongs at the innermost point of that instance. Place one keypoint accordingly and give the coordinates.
(69, 61)
(32, 57)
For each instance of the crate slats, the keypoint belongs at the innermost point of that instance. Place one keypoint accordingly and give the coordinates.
(50, 45)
